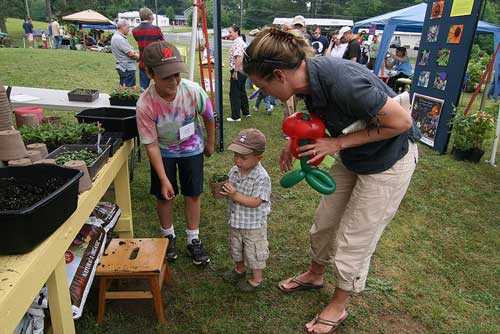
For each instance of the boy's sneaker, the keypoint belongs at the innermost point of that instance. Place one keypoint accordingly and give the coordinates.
(198, 252)
(171, 249)
(255, 108)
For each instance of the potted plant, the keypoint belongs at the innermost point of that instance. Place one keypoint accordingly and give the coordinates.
(469, 133)
(125, 96)
(216, 182)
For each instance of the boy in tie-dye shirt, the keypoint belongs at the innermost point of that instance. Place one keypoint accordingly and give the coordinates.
(168, 120)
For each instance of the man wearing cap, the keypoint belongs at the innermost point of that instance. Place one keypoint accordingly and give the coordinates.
(249, 203)
(145, 34)
(353, 50)
(123, 53)
(169, 126)
(299, 24)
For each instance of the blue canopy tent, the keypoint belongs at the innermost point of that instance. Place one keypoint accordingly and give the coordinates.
(411, 19)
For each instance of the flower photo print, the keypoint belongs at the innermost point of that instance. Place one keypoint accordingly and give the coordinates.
(441, 80)
(432, 33)
(443, 57)
(455, 35)
(437, 9)
(423, 79)
(424, 58)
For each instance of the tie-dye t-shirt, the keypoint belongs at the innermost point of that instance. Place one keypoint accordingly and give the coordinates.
(159, 120)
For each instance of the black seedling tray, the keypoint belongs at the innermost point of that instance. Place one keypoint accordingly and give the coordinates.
(101, 160)
(92, 95)
(22, 230)
(116, 101)
(112, 119)
(114, 139)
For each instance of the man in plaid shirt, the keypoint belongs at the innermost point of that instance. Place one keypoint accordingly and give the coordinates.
(248, 192)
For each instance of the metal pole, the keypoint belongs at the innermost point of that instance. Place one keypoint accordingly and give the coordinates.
(218, 73)
(194, 38)
(495, 141)
(156, 10)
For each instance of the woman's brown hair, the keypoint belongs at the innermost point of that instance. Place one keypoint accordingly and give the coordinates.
(275, 49)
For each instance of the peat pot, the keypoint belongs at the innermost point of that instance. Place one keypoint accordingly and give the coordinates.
(36, 201)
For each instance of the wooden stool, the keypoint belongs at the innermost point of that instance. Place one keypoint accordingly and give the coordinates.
(134, 259)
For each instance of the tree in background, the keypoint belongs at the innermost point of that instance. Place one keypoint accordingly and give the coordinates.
(10, 9)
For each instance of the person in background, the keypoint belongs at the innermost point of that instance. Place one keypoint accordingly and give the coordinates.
(123, 53)
(249, 203)
(145, 34)
(169, 126)
(374, 46)
(28, 31)
(237, 93)
(56, 34)
(49, 34)
(353, 50)
(299, 24)
(269, 102)
(336, 48)
(44, 40)
(401, 67)
(318, 42)
(373, 170)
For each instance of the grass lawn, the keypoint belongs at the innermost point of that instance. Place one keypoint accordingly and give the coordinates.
(435, 270)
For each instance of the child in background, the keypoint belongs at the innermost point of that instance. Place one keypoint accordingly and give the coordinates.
(248, 192)
(44, 39)
(268, 102)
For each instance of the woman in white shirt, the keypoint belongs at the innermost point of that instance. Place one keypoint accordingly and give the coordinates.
(336, 48)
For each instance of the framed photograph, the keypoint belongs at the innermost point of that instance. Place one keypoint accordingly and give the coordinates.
(441, 80)
(424, 58)
(426, 111)
(455, 34)
(437, 10)
(432, 33)
(443, 57)
(423, 79)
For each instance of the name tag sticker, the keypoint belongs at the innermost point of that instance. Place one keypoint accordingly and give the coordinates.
(186, 131)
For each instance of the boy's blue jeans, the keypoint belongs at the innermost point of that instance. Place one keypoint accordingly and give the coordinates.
(268, 100)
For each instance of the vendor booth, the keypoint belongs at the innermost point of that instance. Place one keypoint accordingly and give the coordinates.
(411, 19)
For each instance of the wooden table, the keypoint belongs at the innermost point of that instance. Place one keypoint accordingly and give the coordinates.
(57, 99)
(22, 276)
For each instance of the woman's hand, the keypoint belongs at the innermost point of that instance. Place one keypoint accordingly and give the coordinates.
(320, 148)
(286, 158)
(234, 76)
